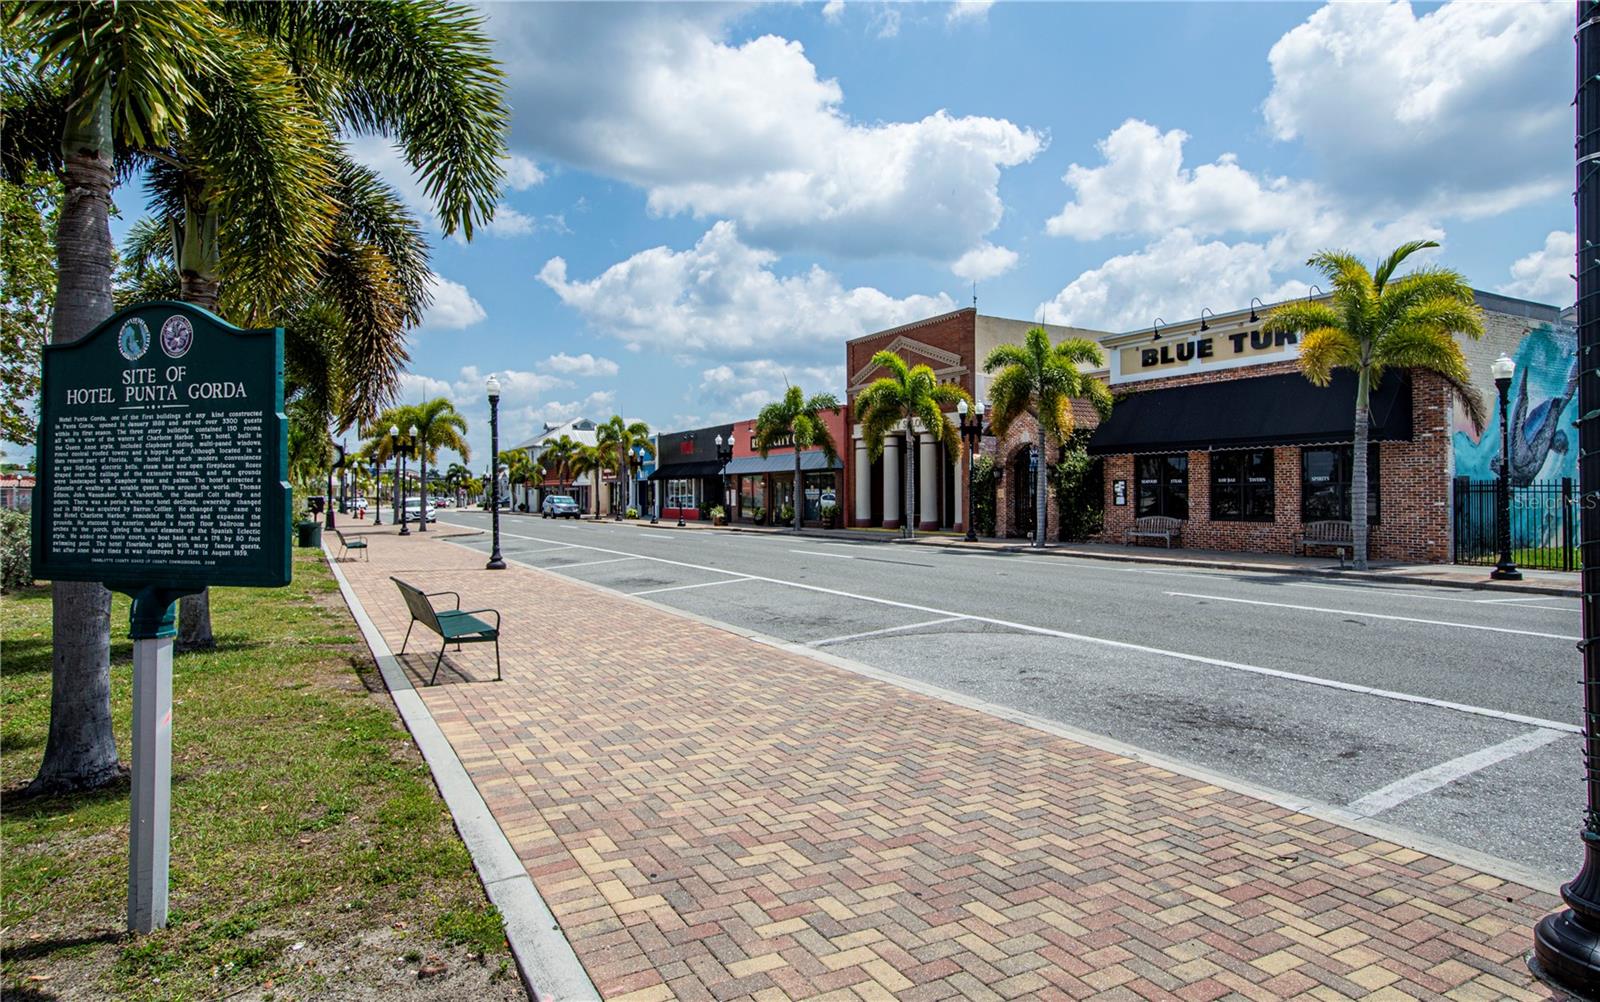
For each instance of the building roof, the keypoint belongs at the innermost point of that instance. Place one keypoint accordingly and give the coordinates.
(578, 429)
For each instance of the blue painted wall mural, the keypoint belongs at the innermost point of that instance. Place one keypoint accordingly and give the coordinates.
(1544, 405)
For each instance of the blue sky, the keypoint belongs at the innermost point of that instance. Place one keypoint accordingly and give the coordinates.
(707, 199)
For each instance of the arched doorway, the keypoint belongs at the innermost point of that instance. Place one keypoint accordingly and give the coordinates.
(1022, 484)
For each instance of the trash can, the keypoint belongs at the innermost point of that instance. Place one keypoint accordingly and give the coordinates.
(310, 534)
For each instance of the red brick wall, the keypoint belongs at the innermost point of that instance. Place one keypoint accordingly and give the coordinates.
(1414, 485)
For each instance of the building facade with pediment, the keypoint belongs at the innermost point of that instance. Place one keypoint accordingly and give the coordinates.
(954, 346)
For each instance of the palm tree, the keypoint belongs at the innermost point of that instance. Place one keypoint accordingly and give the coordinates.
(106, 75)
(1042, 380)
(908, 395)
(523, 469)
(618, 437)
(799, 421)
(558, 458)
(455, 476)
(593, 460)
(1373, 322)
(439, 426)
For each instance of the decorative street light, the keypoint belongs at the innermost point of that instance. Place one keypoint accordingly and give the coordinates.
(724, 454)
(972, 434)
(394, 490)
(377, 491)
(337, 465)
(496, 562)
(1506, 570)
(422, 516)
(344, 482)
(633, 484)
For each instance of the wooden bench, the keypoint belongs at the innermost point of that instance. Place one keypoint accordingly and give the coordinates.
(1155, 527)
(1332, 533)
(452, 625)
(346, 545)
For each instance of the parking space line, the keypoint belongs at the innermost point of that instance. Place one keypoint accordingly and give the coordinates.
(702, 584)
(1374, 590)
(879, 633)
(814, 553)
(1327, 683)
(1445, 773)
(546, 549)
(1373, 615)
(590, 563)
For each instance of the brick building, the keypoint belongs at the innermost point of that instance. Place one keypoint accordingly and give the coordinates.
(954, 345)
(1215, 425)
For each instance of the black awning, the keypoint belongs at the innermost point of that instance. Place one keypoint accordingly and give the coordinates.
(701, 468)
(1240, 413)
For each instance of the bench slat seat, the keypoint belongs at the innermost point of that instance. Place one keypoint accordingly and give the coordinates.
(1160, 527)
(454, 626)
(1336, 534)
(347, 544)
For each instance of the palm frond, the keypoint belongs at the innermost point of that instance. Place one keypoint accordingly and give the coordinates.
(1380, 277)
(1325, 349)
(1300, 317)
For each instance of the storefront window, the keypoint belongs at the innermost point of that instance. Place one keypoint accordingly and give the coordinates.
(1241, 486)
(1325, 484)
(752, 495)
(819, 491)
(1163, 486)
(782, 494)
(681, 494)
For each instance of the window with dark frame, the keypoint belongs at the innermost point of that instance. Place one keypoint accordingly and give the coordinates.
(1242, 486)
(1161, 486)
(1325, 483)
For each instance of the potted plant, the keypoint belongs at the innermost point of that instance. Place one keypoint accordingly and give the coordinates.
(632, 512)
(830, 516)
(719, 515)
(786, 515)
(759, 515)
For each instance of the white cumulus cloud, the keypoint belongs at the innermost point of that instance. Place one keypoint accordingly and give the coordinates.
(585, 365)
(722, 295)
(734, 391)
(968, 10)
(984, 262)
(1545, 275)
(1469, 100)
(1174, 278)
(748, 131)
(453, 307)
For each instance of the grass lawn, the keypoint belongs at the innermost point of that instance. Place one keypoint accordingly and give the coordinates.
(311, 854)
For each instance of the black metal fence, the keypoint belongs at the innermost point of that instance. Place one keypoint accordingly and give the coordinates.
(1544, 521)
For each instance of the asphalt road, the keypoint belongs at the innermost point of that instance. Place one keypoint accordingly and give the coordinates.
(1448, 712)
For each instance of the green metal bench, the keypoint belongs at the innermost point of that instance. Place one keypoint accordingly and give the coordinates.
(346, 545)
(452, 625)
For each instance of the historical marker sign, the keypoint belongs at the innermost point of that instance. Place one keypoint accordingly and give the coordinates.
(163, 454)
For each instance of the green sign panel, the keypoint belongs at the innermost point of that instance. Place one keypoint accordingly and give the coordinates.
(163, 454)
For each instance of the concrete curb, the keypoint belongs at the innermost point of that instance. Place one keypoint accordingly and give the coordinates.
(549, 968)
(1504, 869)
(946, 542)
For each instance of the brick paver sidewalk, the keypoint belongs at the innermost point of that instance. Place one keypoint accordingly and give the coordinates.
(709, 817)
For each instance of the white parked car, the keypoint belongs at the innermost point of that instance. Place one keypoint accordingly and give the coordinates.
(414, 510)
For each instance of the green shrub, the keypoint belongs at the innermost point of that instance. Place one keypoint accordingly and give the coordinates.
(759, 514)
(16, 570)
(985, 480)
(632, 512)
(1079, 482)
(786, 515)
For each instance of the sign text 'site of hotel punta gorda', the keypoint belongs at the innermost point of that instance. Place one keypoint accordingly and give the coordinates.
(163, 454)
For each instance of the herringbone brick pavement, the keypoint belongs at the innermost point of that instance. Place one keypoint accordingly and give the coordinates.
(712, 818)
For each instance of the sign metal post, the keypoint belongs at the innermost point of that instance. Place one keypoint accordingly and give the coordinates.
(163, 452)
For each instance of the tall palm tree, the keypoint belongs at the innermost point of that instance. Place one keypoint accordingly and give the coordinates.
(1042, 380)
(593, 460)
(439, 426)
(523, 469)
(558, 459)
(1375, 321)
(618, 438)
(798, 420)
(104, 76)
(455, 476)
(907, 395)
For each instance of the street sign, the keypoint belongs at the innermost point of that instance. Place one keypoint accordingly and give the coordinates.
(163, 454)
(163, 468)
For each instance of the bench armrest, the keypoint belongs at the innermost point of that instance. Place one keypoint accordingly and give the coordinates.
(475, 612)
(432, 594)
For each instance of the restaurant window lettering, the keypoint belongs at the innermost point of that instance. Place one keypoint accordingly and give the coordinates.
(1241, 486)
(1325, 476)
(1163, 486)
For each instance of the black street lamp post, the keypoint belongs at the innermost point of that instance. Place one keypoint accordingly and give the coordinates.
(394, 485)
(344, 482)
(400, 451)
(1566, 945)
(496, 561)
(972, 434)
(724, 455)
(377, 491)
(1506, 570)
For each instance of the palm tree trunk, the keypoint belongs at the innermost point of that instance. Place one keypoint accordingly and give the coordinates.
(799, 495)
(81, 750)
(908, 520)
(1358, 471)
(194, 611)
(1040, 487)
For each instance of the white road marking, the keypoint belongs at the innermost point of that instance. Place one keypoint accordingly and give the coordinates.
(546, 549)
(877, 633)
(1445, 773)
(1373, 615)
(1327, 683)
(1373, 590)
(590, 563)
(814, 553)
(703, 584)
